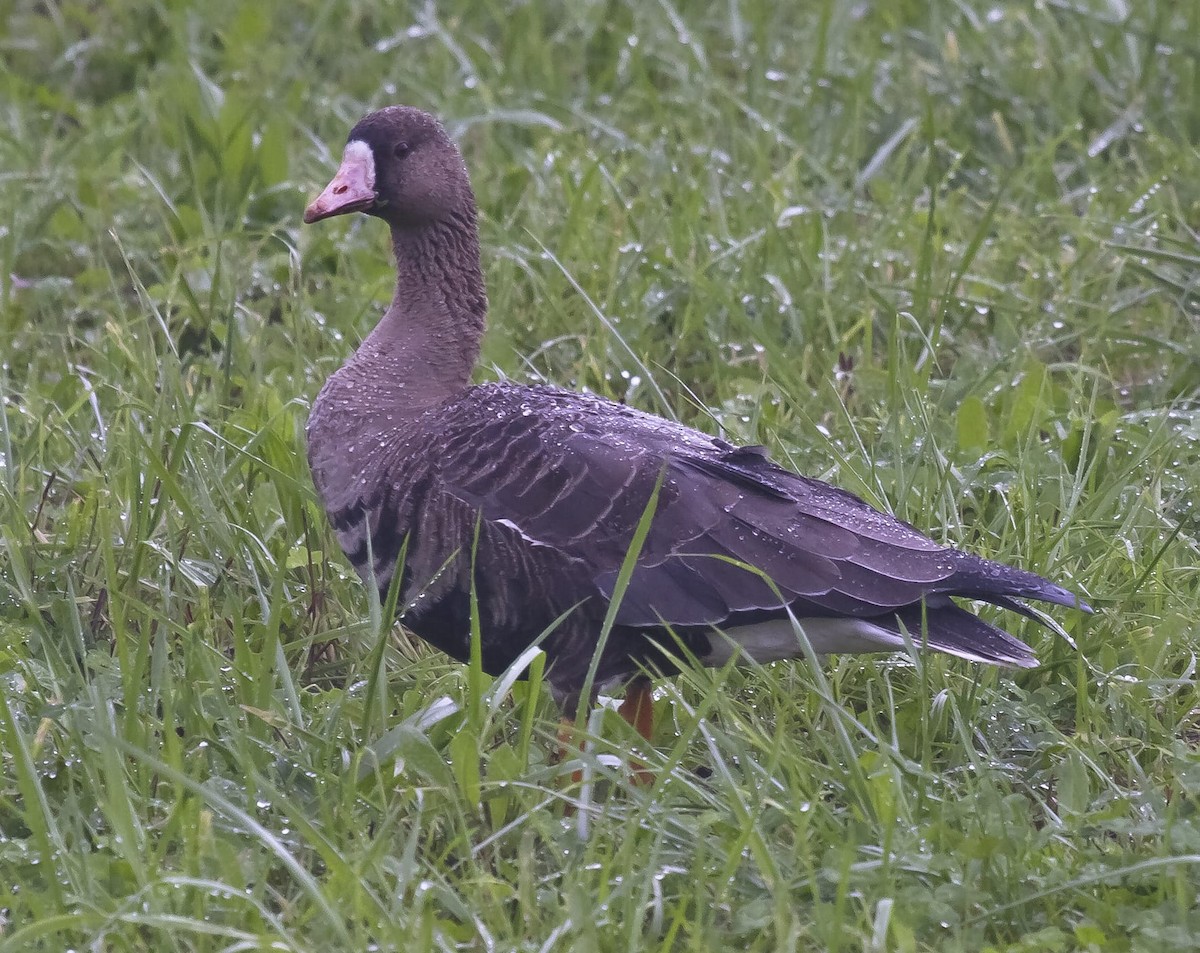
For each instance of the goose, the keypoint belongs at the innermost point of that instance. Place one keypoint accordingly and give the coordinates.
(529, 498)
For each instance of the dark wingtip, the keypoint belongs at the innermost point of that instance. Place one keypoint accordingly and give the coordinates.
(987, 580)
(1049, 592)
(952, 629)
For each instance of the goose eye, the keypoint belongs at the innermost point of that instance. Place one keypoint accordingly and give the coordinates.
(400, 150)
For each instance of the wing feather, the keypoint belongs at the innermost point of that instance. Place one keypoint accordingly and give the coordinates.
(578, 474)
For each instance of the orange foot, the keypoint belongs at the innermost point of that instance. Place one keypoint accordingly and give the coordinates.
(637, 709)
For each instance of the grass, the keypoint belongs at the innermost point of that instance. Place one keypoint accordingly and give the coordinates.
(942, 254)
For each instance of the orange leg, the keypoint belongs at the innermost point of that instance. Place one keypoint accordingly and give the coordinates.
(566, 737)
(638, 710)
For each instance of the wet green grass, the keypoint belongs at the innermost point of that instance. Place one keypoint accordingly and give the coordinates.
(944, 255)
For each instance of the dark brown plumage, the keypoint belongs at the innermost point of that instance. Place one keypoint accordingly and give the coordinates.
(532, 495)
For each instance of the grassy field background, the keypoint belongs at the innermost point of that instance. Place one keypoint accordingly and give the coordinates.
(944, 255)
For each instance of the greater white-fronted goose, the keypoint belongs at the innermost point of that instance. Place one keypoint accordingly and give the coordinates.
(530, 496)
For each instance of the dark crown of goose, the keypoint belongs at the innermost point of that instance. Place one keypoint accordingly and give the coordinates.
(399, 165)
